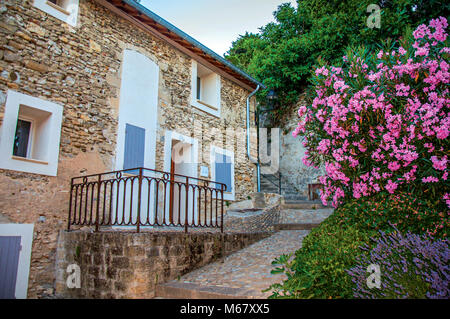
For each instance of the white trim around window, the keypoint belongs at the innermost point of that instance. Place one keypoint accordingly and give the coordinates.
(217, 150)
(43, 149)
(66, 10)
(210, 86)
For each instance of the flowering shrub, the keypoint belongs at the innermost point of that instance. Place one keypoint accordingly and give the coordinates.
(411, 266)
(398, 210)
(380, 123)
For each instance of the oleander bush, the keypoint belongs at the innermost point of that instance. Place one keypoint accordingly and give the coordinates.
(410, 266)
(380, 123)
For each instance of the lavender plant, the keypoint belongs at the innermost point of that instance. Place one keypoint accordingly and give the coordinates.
(412, 266)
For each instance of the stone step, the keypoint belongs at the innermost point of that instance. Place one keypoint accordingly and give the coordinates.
(183, 290)
(302, 204)
(294, 197)
(303, 226)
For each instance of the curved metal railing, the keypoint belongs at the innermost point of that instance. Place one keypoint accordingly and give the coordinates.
(142, 197)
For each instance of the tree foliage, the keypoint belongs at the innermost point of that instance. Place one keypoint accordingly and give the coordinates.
(283, 53)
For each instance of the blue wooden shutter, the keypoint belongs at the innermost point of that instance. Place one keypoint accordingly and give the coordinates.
(134, 147)
(223, 170)
(9, 262)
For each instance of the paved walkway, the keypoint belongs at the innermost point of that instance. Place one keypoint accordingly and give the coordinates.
(248, 270)
(304, 216)
(250, 267)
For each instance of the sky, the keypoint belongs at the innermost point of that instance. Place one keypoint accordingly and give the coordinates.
(216, 23)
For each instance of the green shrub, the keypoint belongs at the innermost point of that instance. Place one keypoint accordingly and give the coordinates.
(404, 211)
(319, 267)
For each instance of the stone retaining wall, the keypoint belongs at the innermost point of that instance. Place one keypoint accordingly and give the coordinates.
(129, 265)
(262, 219)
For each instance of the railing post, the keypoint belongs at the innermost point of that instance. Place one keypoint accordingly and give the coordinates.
(279, 182)
(138, 221)
(187, 206)
(221, 210)
(70, 204)
(97, 215)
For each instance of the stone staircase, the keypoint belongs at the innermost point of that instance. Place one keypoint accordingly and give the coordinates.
(305, 218)
(244, 274)
(302, 204)
(270, 184)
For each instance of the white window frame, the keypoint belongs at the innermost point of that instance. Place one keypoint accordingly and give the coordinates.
(214, 150)
(43, 166)
(68, 13)
(213, 108)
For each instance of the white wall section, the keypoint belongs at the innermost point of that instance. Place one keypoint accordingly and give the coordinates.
(138, 103)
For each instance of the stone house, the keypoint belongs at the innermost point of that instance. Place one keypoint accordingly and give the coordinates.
(93, 86)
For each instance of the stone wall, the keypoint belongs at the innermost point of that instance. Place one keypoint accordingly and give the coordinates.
(80, 69)
(292, 152)
(252, 216)
(129, 265)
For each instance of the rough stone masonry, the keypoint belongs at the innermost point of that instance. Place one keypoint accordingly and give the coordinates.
(80, 69)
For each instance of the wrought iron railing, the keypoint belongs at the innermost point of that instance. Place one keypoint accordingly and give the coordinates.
(274, 179)
(142, 198)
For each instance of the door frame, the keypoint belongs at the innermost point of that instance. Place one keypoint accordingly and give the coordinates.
(169, 138)
(25, 231)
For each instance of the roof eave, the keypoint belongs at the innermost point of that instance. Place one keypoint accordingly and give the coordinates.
(168, 30)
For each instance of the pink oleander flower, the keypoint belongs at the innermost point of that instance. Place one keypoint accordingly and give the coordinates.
(402, 89)
(446, 197)
(441, 164)
(324, 146)
(393, 166)
(391, 187)
(430, 179)
(301, 111)
(442, 133)
(380, 54)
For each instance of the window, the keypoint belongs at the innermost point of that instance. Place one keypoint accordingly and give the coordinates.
(30, 134)
(199, 87)
(222, 170)
(22, 138)
(206, 89)
(65, 10)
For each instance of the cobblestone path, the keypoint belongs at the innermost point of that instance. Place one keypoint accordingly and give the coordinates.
(247, 272)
